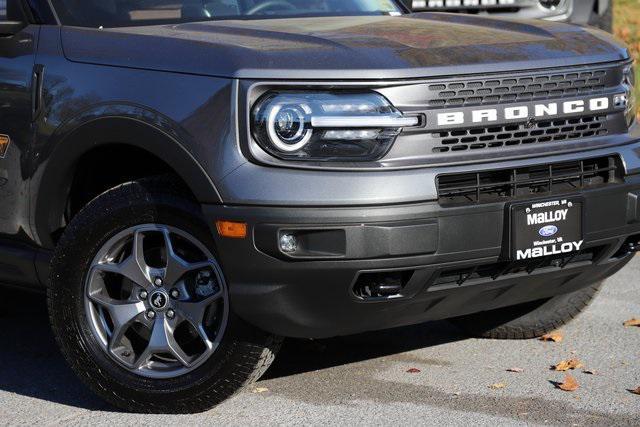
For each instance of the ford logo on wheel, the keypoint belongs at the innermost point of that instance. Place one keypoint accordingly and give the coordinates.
(548, 230)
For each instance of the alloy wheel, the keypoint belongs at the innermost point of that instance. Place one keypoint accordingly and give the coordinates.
(156, 300)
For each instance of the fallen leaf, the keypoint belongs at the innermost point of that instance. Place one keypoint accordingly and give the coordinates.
(497, 386)
(565, 365)
(413, 371)
(636, 391)
(632, 322)
(625, 32)
(555, 336)
(568, 384)
(518, 370)
(260, 390)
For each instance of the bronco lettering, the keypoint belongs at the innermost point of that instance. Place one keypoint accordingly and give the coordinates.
(522, 112)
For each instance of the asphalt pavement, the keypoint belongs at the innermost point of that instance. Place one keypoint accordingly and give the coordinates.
(363, 380)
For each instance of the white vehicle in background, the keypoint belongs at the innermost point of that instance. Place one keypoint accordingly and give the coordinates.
(583, 12)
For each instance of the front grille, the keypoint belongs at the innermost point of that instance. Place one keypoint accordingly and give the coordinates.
(501, 185)
(465, 94)
(512, 135)
(489, 272)
(516, 88)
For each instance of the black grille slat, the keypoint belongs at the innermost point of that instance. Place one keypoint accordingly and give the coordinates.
(511, 135)
(507, 89)
(500, 185)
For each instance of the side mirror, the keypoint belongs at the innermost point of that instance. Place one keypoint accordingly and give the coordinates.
(11, 28)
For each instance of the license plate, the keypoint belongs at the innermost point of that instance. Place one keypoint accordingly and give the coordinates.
(546, 228)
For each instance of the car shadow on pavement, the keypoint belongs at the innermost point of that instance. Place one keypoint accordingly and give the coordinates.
(300, 356)
(30, 363)
(32, 366)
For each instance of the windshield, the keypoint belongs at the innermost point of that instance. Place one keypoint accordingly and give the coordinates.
(119, 13)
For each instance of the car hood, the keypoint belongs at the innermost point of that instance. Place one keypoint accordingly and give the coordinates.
(363, 47)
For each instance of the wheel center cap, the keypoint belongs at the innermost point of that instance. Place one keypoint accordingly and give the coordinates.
(158, 300)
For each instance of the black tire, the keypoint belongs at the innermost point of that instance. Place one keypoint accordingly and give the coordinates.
(604, 21)
(529, 320)
(244, 353)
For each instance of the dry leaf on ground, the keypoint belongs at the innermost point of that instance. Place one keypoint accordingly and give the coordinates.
(413, 371)
(568, 384)
(625, 32)
(636, 391)
(497, 386)
(632, 322)
(517, 370)
(555, 336)
(565, 365)
(260, 390)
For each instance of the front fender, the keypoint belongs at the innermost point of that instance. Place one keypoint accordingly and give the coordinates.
(103, 125)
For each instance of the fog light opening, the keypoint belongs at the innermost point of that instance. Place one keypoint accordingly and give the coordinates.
(288, 243)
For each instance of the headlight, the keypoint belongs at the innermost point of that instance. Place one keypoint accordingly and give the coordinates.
(323, 126)
(630, 84)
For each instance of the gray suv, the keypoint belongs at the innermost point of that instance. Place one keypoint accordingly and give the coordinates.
(190, 181)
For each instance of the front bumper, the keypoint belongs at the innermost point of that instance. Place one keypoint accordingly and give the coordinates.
(430, 248)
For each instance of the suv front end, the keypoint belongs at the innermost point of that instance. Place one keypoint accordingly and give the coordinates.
(419, 228)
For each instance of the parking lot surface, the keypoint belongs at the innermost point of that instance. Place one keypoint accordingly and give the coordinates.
(363, 379)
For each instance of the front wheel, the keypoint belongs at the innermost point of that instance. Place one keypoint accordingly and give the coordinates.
(140, 307)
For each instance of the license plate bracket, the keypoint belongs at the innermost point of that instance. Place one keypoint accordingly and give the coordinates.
(551, 227)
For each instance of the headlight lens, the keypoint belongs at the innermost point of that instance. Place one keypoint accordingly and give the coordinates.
(323, 126)
(630, 84)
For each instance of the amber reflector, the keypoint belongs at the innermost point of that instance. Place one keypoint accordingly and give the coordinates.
(4, 144)
(231, 229)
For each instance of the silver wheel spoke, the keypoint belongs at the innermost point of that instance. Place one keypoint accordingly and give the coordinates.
(122, 313)
(193, 312)
(137, 257)
(176, 266)
(134, 267)
(162, 341)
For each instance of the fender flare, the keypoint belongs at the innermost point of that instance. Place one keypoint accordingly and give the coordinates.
(54, 185)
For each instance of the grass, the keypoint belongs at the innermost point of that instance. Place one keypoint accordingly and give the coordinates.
(626, 26)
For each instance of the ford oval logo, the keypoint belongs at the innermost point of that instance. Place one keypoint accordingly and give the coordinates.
(548, 230)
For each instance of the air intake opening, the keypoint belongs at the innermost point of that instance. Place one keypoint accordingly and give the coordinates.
(389, 284)
(530, 181)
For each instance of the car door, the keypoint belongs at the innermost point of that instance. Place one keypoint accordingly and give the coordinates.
(18, 43)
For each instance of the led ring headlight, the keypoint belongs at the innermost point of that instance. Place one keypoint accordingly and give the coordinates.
(286, 126)
(326, 126)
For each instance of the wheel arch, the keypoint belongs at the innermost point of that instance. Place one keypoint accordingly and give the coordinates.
(53, 189)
